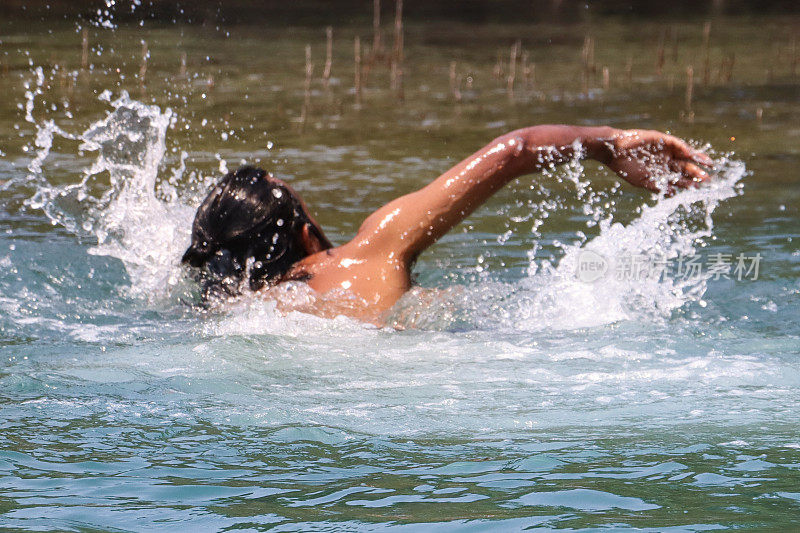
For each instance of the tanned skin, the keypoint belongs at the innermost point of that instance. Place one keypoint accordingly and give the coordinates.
(366, 276)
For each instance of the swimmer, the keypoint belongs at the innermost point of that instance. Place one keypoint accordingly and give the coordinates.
(253, 231)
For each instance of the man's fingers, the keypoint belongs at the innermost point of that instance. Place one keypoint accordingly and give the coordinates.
(657, 152)
(690, 175)
(685, 183)
(697, 174)
(702, 159)
(682, 150)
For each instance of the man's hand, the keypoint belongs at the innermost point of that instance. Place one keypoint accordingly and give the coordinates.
(656, 161)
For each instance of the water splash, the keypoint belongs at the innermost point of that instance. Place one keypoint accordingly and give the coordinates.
(103, 17)
(127, 218)
(553, 297)
(148, 231)
(669, 229)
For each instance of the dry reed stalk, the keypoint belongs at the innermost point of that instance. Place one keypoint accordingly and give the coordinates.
(689, 92)
(326, 73)
(512, 68)
(526, 71)
(587, 62)
(728, 64)
(689, 86)
(455, 83)
(660, 54)
(377, 45)
(367, 62)
(85, 49)
(629, 71)
(357, 69)
(584, 80)
(706, 60)
(453, 79)
(587, 54)
(143, 66)
(497, 71)
(674, 32)
(606, 79)
(397, 51)
(306, 88)
(182, 71)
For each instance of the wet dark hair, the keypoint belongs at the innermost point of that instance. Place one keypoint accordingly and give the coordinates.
(245, 230)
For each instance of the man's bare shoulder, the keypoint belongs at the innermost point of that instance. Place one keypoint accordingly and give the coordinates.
(353, 270)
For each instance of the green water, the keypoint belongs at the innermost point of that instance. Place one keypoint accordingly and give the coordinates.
(526, 400)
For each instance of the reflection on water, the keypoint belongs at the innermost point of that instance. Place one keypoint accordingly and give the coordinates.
(524, 398)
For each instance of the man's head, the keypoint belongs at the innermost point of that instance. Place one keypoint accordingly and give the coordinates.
(251, 227)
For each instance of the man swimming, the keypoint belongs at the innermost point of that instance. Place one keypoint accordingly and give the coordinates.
(253, 230)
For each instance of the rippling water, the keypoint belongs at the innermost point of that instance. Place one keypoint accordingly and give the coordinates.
(522, 398)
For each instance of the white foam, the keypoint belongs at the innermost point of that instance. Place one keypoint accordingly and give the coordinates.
(251, 314)
(668, 229)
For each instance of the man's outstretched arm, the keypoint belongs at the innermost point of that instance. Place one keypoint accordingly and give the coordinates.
(411, 223)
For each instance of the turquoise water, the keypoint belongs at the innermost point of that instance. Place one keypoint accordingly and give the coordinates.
(517, 397)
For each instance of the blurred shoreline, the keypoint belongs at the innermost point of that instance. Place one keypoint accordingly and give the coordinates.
(321, 13)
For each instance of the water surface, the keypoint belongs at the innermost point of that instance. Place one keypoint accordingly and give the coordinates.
(524, 398)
